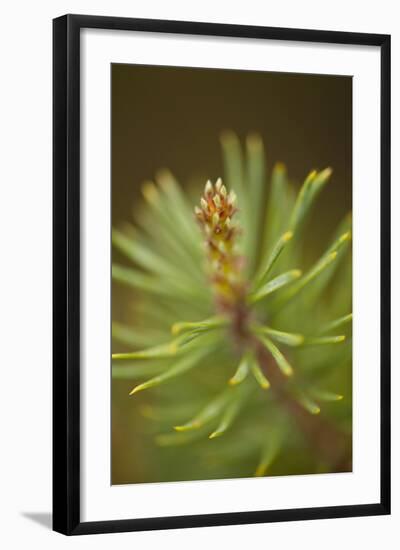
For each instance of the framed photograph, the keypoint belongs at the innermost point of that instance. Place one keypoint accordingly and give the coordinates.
(221, 274)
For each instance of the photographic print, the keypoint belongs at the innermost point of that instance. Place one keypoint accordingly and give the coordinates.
(231, 274)
(221, 274)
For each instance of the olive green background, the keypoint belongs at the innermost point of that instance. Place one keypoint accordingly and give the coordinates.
(172, 117)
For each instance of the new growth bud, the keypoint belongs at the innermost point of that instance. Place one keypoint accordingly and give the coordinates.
(232, 198)
(208, 190)
(224, 263)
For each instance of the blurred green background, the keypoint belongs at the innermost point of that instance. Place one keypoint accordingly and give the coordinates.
(172, 117)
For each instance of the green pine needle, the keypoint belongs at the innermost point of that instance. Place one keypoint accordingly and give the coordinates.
(208, 413)
(274, 285)
(280, 359)
(183, 365)
(337, 323)
(324, 340)
(288, 338)
(276, 252)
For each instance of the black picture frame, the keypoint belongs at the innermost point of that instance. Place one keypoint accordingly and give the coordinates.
(66, 273)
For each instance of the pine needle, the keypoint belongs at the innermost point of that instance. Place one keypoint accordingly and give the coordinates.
(241, 372)
(324, 340)
(322, 395)
(208, 413)
(260, 377)
(231, 413)
(275, 284)
(337, 323)
(307, 194)
(184, 364)
(207, 324)
(308, 404)
(288, 338)
(276, 252)
(280, 359)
